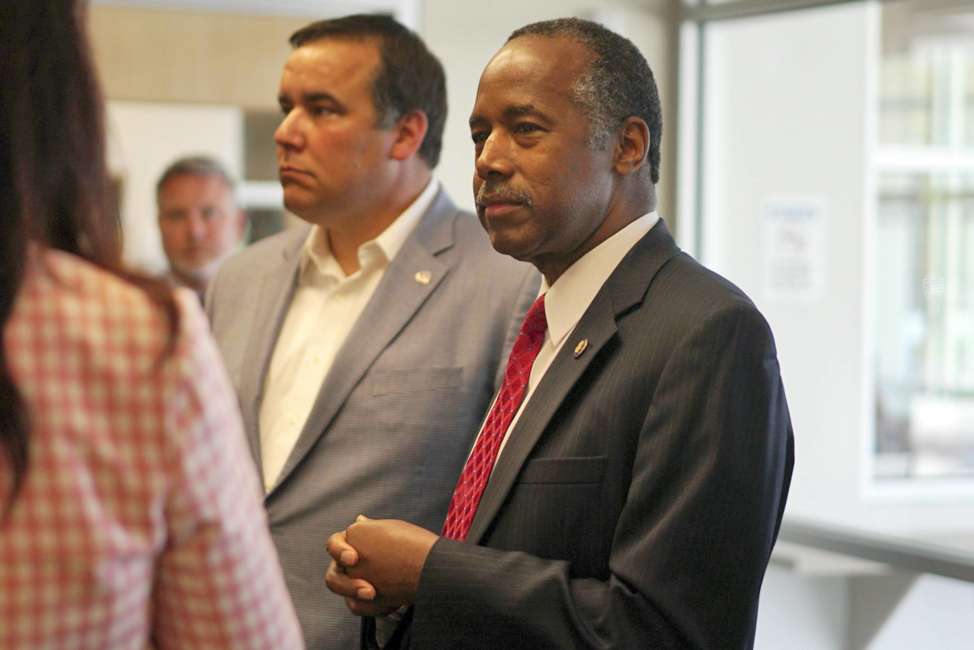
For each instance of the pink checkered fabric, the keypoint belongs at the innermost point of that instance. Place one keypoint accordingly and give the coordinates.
(473, 479)
(140, 523)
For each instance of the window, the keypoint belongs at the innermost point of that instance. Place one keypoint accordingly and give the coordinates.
(924, 258)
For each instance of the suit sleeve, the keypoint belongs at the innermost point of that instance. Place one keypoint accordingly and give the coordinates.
(710, 470)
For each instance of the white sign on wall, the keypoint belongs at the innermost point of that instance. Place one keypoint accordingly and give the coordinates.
(793, 248)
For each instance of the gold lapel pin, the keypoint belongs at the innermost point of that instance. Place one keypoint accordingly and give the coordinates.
(581, 347)
(423, 277)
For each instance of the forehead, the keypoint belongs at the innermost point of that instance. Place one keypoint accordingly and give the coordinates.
(331, 63)
(534, 70)
(202, 187)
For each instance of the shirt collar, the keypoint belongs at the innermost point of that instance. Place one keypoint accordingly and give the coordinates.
(316, 253)
(571, 294)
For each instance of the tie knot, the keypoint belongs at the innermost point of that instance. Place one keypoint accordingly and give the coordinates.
(535, 322)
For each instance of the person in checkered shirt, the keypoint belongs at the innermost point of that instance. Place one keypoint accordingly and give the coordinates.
(130, 513)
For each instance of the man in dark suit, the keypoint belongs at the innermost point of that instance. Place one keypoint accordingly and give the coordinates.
(637, 481)
(365, 345)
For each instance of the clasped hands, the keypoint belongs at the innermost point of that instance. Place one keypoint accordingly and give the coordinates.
(376, 564)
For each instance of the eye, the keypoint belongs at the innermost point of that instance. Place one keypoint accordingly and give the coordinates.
(479, 136)
(319, 110)
(527, 128)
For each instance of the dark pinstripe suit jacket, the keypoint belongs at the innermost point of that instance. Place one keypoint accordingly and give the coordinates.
(639, 496)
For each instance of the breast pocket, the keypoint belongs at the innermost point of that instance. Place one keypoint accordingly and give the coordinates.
(425, 419)
(414, 380)
(427, 399)
(564, 470)
(554, 511)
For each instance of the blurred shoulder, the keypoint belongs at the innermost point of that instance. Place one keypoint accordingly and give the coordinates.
(78, 291)
(73, 306)
(267, 251)
(238, 276)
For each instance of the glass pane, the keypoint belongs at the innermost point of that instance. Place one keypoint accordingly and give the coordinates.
(927, 75)
(924, 297)
(260, 161)
(264, 222)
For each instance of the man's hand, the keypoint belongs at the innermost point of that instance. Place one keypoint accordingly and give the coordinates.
(359, 594)
(378, 558)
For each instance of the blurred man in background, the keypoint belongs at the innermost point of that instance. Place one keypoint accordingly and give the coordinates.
(199, 220)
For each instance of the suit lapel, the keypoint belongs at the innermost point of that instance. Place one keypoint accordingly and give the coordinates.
(276, 290)
(598, 326)
(395, 301)
(625, 288)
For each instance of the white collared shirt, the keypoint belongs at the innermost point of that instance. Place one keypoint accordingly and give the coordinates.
(324, 308)
(572, 293)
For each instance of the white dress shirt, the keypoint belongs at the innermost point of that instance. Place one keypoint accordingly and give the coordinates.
(571, 294)
(324, 308)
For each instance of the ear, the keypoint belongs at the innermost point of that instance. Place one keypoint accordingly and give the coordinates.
(409, 130)
(241, 222)
(631, 146)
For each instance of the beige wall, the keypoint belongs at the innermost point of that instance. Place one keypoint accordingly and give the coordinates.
(466, 35)
(225, 58)
(193, 57)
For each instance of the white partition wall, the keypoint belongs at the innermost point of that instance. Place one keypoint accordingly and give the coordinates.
(145, 137)
(787, 211)
(780, 191)
(784, 128)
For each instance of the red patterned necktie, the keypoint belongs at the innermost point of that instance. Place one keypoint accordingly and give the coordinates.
(473, 479)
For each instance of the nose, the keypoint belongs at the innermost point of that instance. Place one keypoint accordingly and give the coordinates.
(197, 227)
(494, 157)
(288, 134)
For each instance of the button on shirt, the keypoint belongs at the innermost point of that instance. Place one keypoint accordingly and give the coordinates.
(324, 308)
(571, 294)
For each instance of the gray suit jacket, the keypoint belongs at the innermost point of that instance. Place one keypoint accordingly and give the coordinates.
(637, 500)
(393, 421)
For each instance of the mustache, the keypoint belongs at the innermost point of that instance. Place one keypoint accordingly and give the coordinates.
(489, 193)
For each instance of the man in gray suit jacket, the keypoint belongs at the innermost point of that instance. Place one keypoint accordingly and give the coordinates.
(364, 348)
(635, 493)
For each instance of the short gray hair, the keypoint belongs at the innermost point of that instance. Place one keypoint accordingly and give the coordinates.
(198, 165)
(617, 85)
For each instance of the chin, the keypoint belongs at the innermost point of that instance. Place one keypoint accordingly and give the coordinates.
(308, 211)
(193, 273)
(511, 246)
(297, 200)
(294, 206)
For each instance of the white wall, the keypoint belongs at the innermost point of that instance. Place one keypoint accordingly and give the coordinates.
(785, 117)
(466, 35)
(143, 139)
(788, 116)
(802, 614)
(789, 113)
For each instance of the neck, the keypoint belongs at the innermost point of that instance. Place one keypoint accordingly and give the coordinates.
(195, 282)
(345, 239)
(621, 211)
